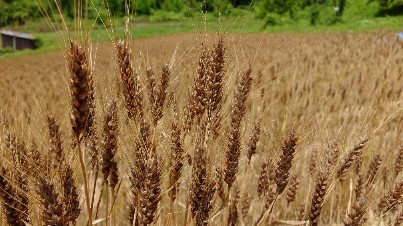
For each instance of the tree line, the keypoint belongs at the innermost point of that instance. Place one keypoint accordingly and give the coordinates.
(20, 11)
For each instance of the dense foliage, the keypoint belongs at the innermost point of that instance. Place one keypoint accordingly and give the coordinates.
(272, 11)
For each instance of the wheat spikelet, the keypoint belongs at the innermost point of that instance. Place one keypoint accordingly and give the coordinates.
(161, 94)
(202, 187)
(90, 135)
(270, 195)
(91, 142)
(110, 144)
(157, 96)
(233, 210)
(20, 177)
(52, 209)
(373, 170)
(9, 202)
(130, 87)
(16, 148)
(35, 160)
(253, 141)
(234, 138)
(141, 147)
(215, 85)
(301, 212)
(176, 157)
(399, 219)
(263, 179)
(313, 161)
(321, 188)
(285, 162)
(292, 188)
(69, 202)
(349, 158)
(359, 187)
(80, 88)
(220, 184)
(399, 161)
(332, 153)
(393, 198)
(150, 193)
(145, 179)
(71, 197)
(356, 216)
(55, 142)
(151, 87)
(198, 98)
(81, 100)
(207, 93)
(245, 204)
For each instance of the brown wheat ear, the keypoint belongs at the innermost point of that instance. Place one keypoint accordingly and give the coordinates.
(160, 95)
(318, 197)
(197, 99)
(245, 204)
(151, 88)
(55, 142)
(373, 170)
(313, 160)
(137, 176)
(233, 210)
(349, 158)
(10, 205)
(220, 185)
(145, 179)
(392, 199)
(71, 196)
(356, 217)
(80, 88)
(263, 181)
(399, 219)
(285, 162)
(399, 161)
(202, 187)
(52, 208)
(301, 212)
(233, 151)
(110, 144)
(333, 153)
(130, 84)
(292, 188)
(150, 194)
(20, 187)
(80, 82)
(252, 145)
(177, 155)
(215, 85)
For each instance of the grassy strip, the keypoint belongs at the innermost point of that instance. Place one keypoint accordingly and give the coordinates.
(242, 24)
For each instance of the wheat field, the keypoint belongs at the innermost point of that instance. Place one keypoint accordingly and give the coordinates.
(205, 129)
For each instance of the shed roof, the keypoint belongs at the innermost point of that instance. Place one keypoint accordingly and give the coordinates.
(17, 34)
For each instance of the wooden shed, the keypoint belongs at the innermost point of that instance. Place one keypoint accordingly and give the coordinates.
(17, 40)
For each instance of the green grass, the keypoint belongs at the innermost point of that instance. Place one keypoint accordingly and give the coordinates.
(144, 29)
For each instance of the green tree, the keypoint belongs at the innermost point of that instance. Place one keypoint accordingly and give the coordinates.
(383, 3)
(173, 5)
(17, 11)
(237, 3)
(144, 7)
(117, 7)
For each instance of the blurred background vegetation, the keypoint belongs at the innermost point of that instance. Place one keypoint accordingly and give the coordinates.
(158, 17)
(272, 12)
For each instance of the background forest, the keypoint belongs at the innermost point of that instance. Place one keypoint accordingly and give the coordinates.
(273, 12)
